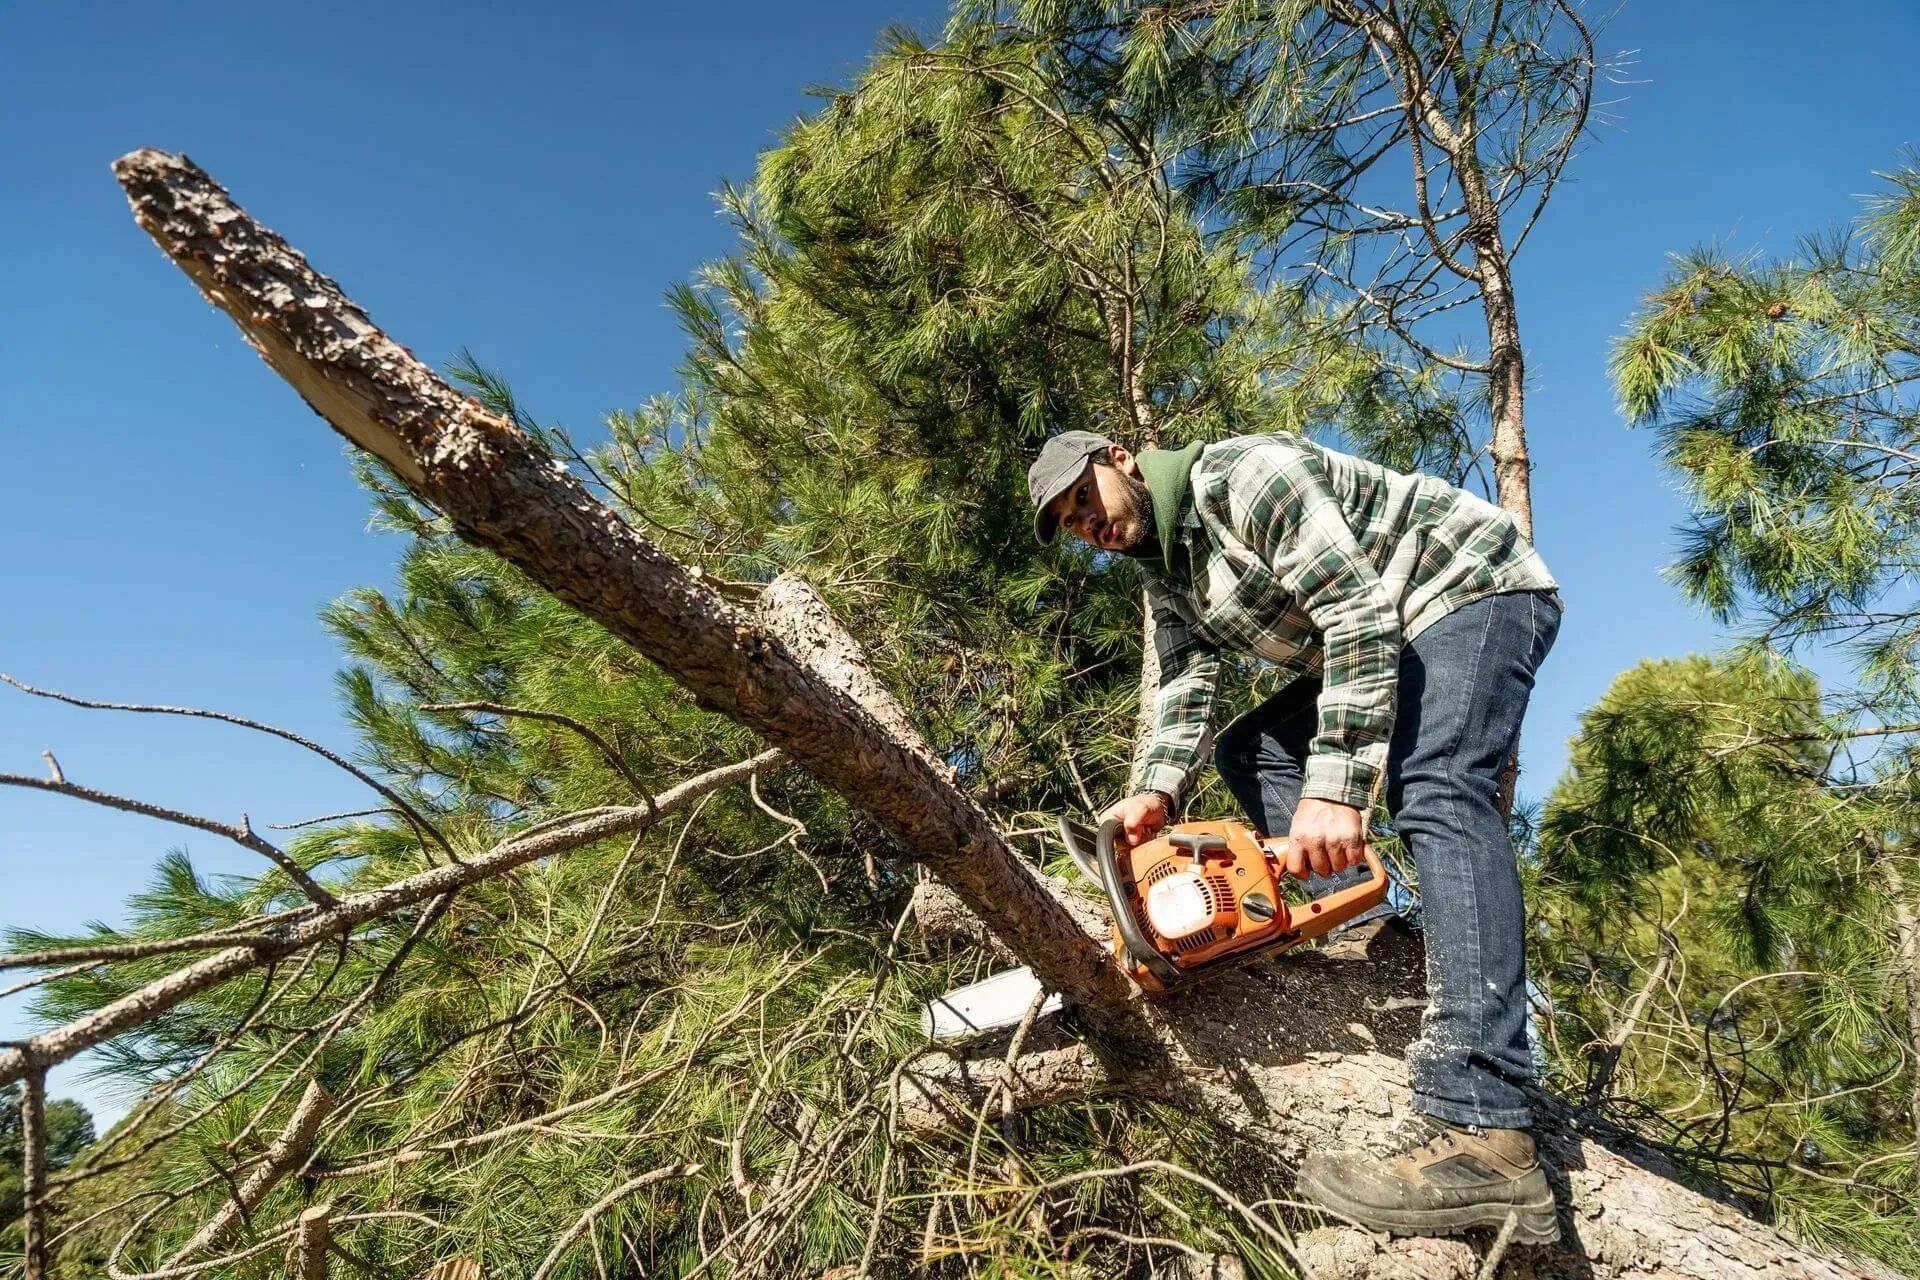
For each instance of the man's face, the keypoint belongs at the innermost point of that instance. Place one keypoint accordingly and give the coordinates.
(1108, 506)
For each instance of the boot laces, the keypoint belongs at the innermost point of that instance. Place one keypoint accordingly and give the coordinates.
(1423, 1134)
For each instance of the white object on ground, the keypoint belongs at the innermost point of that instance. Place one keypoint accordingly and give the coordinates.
(988, 1005)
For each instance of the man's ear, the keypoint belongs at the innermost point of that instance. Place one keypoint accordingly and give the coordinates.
(1123, 460)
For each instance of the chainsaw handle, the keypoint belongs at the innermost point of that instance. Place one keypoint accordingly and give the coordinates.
(1136, 943)
(1077, 840)
(1311, 919)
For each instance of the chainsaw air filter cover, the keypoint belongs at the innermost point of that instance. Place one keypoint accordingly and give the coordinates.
(1184, 904)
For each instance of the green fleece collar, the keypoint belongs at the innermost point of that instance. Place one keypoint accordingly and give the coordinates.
(1168, 474)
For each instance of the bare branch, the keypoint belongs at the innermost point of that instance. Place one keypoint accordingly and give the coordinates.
(130, 950)
(281, 1156)
(310, 1240)
(600, 1206)
(33, 1139)
(349, 913)
(240, 833)
(386, 793)
(605, 748)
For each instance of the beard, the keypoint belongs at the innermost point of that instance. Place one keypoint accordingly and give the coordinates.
(1132, 515)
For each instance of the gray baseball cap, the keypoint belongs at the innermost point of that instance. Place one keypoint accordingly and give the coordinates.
(1060, 463)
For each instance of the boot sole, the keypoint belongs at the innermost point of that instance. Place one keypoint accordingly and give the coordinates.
(1539, 1220)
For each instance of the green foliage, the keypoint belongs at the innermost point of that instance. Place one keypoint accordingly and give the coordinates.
(1714, 910)
(1782, 394)
(69, 1132)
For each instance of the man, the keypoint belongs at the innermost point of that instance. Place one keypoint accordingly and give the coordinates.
(1412, 616)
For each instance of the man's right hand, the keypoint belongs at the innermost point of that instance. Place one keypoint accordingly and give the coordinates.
(1141, 816)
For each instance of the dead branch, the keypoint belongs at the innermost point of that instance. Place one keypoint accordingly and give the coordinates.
(279, 1159)
(600, 744)
(33, 1138)
(241, 833)
(572, 1234)
(413, 816)
(349, 913)
(312, 1234)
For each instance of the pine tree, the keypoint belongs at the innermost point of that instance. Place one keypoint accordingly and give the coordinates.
(1731, 948)
(1711, 943)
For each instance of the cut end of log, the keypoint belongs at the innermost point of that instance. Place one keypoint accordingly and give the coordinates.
(299, 320)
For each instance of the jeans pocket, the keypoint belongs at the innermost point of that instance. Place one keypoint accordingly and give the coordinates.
(1546, 624)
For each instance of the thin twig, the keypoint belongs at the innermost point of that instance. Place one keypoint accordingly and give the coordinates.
(604, 1203)
(154, 998)
(605, 748)
(241, 833)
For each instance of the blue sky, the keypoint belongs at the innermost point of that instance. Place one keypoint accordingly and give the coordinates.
(526, 181)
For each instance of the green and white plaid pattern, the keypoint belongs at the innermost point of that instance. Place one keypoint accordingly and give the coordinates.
(1318, 562)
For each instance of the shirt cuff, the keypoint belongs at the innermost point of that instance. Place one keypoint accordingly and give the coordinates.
(1164, 777)
(1344, 779)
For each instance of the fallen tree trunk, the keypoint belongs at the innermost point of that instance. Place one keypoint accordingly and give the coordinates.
(504, 493)
(1290, 1055)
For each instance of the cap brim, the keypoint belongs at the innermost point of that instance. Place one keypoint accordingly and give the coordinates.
(1045, 527)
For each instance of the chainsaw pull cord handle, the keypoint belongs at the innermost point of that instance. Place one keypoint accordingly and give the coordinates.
(1199, 844)
(1110, 880)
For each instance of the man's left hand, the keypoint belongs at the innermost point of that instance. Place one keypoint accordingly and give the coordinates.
(1327, 836)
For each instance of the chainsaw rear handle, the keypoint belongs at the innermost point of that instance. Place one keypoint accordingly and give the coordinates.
(1311, 919)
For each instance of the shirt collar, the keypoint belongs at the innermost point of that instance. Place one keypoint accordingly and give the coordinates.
(1168, 475)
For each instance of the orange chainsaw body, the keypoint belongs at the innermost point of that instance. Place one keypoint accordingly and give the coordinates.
(1219, 898)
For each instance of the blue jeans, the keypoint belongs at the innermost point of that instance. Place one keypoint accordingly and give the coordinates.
(1463, 689)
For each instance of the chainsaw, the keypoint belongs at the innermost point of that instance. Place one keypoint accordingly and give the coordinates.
(1197, 898)
(1202, 894)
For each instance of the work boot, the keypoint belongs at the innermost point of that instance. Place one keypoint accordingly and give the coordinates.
(1437, 1179)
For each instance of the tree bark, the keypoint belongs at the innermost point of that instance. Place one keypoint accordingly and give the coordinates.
(1291, 1054)
(312, 1235)
(1149, 685)
(1506, 383)
(1143, 723)
(1906, 924)
(33, 1141)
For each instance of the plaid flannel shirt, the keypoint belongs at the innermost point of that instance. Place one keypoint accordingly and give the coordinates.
(1323, 563)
